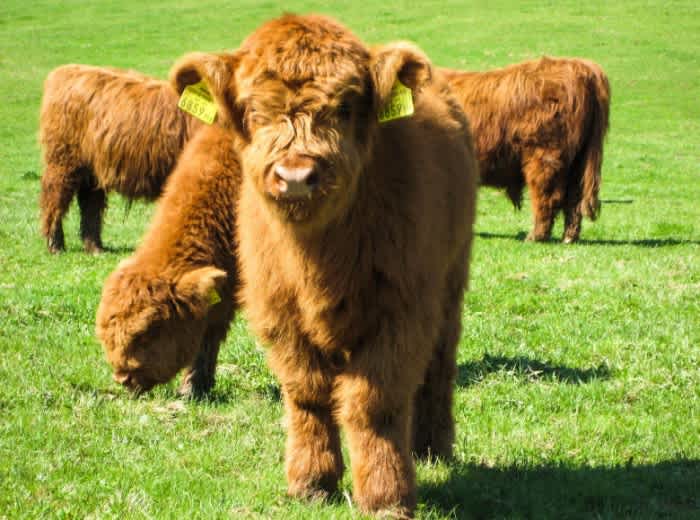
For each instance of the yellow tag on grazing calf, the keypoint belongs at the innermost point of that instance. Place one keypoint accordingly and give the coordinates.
(400, 103)
(197, 100)
(214, 297)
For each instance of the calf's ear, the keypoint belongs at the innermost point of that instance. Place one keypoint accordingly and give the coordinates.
(216, 70)
(401, 61)
(201, 289)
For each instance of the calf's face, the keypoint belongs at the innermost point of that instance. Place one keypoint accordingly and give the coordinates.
(303, 95)
(151, 326)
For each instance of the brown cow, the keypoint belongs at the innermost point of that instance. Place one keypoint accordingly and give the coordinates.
(160, 309)
(540, 123)
(104, 130)
(354, 241)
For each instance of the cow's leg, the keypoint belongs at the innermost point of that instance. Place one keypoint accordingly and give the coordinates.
(377, 420)
(375, 398)
(58, 186)
(546, 182)
(572, 224)
(314, 462)
(92, 201)
(572, 210)
(433, 422)
(313, 459)
(433, 425)
(199, 378)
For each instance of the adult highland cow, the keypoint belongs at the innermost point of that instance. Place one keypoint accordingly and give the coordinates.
(169, 306)
(540, 123)
(104, 130)
(354, 240)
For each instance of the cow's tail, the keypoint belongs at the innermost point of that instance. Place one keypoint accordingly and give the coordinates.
(592, 152)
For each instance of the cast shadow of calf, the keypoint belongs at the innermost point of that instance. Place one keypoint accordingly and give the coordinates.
(669, 489)
(531, 369)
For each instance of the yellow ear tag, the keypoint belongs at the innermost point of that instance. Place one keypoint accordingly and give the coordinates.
(400, 103)
(197, 100)
(214, 297)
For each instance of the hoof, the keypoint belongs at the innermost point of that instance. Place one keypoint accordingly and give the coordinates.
(531, 237)
(93, 248)
(314, 491)
(194, 388)
(570, 235)
(55, 246)
(189, 392)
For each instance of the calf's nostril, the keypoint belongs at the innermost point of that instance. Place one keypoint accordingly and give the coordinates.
(281, 183)
(312, 180)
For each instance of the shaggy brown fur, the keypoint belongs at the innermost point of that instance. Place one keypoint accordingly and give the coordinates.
(104, 130)
(156, 315)
(540, 123)
(354, 241)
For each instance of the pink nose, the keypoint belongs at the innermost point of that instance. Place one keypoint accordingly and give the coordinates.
(296, 180)
(135, 382)
(123, 379)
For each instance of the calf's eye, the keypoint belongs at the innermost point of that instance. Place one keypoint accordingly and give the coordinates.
(344, 111)
(254, 119)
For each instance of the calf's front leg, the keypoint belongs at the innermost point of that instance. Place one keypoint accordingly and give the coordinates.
(383, 475)
(313, 459)
(199, 378)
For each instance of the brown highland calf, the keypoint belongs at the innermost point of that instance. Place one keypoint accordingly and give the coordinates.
(169, 306)
(540, 123)
(104, 130)
(354, 241)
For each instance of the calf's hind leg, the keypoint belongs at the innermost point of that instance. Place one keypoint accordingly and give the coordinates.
(92, 201)
(546, 182)
(572, 224)
(58, 185)
(572, 209)
(433, 422)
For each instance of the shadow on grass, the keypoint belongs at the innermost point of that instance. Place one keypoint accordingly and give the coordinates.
(77, 249)
(643, 242)
(224, 394)
(665, 490)
(119, 249)
(648, 242)
(531, 369)
(617, 201)
(520, 236)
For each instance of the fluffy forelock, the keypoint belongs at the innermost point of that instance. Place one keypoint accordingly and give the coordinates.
(301, 48)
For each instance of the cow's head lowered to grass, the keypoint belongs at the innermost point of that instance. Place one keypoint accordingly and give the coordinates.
(151, 324)
(303, 94)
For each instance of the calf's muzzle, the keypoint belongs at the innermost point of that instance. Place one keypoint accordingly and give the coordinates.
(296, 178)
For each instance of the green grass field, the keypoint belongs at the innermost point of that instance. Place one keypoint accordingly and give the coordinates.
(579, 367)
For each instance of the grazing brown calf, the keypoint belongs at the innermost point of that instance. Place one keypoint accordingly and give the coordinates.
(354, 241)
(540, 123)
(104, 130)
(169, 306)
